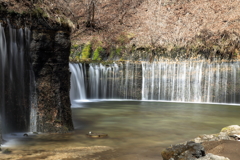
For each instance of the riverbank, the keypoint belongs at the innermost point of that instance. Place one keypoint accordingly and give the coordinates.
(225, 144)
(225, 148)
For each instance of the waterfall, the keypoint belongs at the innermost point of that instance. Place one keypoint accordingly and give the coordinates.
(189, 81)
(98, 81)
(15, 78)
(3, 48)
(77, 91)
(185, 81)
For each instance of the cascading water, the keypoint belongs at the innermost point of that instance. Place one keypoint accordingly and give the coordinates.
(3, 48)
(97, 81)
(77, 81)
(15, 78)
(191, 81)
(185, 81)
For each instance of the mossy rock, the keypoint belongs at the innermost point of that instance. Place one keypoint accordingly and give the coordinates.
(233, 129)
(183, 151)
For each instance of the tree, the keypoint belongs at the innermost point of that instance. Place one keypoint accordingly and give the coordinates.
(91, 8)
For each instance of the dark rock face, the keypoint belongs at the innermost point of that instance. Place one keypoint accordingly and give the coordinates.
(0, 132)
(188, 151)
(48, 59)
(49, 51)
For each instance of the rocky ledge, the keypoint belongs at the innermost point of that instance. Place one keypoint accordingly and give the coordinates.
(227, 133)
(204, 147)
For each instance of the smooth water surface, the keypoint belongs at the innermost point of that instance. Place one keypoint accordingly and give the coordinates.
(141, 127)
(138, 129)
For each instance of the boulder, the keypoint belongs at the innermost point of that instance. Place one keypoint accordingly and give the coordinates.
(231, 130)
(227, 133)
(194, 150)
(187, 151)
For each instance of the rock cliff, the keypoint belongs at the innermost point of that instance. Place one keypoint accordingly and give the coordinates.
(47, 72)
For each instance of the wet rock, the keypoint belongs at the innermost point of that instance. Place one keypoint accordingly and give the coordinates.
(236, 137)
(211, 156)
(187, 151)
(0, 130)
(25, 135)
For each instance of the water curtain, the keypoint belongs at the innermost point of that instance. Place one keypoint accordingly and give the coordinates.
(185, 81)
(15, 84)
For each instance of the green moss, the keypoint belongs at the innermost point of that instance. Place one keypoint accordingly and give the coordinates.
(118, 51)
(12, 12)
(112, 54)
(123, 39)
(106, 63)
(226, 129)
(96, 54)
(37, 11)
(57, 121)
(75, 46)
(86, 52)
(65, 129)
(77, 58)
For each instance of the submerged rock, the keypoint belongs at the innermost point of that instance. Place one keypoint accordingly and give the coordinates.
(6, 151)
(25, 135)
(187, 151)
(97, 135)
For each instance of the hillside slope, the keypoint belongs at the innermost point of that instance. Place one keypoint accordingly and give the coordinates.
(209, 25)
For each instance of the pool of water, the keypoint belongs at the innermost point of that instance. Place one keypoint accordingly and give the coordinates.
(146, 125)
(138, 129)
